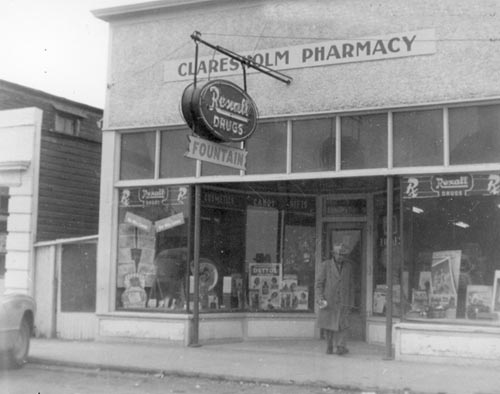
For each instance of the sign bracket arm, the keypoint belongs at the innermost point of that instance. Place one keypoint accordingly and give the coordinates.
(245, 61)
(244, 68)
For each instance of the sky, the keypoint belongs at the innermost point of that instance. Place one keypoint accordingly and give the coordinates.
(56, 46)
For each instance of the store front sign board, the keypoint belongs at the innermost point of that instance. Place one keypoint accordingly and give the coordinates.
(204, 150)
(243, 201)
(451, 185)
(326, 53)
(142, 197)
(343, 208)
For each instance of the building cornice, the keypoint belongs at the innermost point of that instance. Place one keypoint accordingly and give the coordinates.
(121, 11)
(20, 165)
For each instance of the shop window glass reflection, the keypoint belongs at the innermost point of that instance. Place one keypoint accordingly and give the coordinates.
(222, 250)
(267, 149)
(380, 284)
(280, 256)
(261, 246)
(453, 248)
(263, 262)
(418, 138)
(298, 261)
(137, 156)
(364, 142)
(173, 163)
(313, 145)
(152, 248)
(475, 134)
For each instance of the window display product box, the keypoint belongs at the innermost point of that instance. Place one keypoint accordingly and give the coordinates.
(254, 298)
(478, 300)
(379, 299)
(419, 300)
(289, 282)
(302, 294)
(286, 299)
(270, 301)
(264, 276)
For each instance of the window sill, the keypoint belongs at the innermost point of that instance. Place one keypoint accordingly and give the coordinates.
(454, 322)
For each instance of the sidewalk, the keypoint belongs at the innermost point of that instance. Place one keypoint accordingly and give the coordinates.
(277, 361)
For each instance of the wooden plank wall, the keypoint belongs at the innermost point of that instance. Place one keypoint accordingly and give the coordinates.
(68, 204)
(68, 200)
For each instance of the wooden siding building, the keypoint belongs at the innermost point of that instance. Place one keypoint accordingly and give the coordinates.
(49, 175)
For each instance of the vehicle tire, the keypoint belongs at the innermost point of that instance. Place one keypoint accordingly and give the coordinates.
(19, 353)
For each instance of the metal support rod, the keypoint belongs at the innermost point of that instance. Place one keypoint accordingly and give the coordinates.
(196, 268)
(189, 252)
(195, 64)
(402, 253)
(244, 77)
(196, 36)
(389, 243)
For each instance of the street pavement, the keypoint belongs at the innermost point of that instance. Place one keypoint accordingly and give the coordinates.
(298, 362)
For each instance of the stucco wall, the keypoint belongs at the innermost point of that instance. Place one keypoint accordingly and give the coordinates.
(20, 134)
(466, 345)
(465, 65)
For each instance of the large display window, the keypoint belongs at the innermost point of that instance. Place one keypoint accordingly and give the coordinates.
(261, 247)
(381, 242)
(451, 232)
(152, 248)
(256, 250)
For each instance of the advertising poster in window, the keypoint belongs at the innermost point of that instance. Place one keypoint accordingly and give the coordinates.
(444, 279)
(264, 285)
(478, 300)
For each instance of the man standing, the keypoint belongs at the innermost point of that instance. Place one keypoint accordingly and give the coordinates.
(335, 297)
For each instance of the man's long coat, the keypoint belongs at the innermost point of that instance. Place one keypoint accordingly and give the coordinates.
(334, 284)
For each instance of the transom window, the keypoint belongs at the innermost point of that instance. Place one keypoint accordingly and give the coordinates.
(393, 139)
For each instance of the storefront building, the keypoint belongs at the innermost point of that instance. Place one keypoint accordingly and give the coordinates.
(383, 136)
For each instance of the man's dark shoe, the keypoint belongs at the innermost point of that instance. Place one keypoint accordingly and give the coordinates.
(341, 350)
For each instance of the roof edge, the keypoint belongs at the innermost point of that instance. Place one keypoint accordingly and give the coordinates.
(17, 87)
(111, 13)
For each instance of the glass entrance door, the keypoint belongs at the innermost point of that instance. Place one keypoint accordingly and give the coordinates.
(351, 236)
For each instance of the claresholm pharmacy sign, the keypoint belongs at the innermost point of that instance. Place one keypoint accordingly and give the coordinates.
(327, 53)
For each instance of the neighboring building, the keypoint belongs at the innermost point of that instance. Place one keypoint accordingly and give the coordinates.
(391, 125)
(49, 178)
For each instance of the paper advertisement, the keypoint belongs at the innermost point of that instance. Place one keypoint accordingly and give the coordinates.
(264, 283)
(445, 272)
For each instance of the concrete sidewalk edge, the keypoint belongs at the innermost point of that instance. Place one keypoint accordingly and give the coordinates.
(159, 373)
